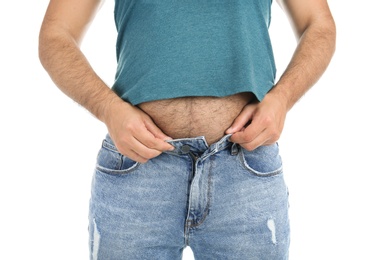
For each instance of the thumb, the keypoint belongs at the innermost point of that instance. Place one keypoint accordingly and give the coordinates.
(152, 128)
(241, 121)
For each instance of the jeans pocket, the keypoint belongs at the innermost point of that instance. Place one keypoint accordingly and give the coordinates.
(110, 161)
(264, 161)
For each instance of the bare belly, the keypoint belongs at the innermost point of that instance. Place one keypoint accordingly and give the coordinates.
(196, 116)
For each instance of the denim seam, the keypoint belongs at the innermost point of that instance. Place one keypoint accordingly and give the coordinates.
(108, 171)
(246, 166)
(188, 222)
(207, 208)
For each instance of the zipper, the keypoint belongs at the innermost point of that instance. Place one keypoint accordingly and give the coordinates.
(194, 159)
(190, 220)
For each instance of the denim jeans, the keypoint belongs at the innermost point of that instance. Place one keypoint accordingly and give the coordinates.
(221, 200)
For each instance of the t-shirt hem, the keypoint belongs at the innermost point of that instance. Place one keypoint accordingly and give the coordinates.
(134, 100)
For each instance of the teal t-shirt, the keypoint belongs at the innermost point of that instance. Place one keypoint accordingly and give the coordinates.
(176, 48)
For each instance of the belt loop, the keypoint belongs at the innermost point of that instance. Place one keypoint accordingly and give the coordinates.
(234, 149)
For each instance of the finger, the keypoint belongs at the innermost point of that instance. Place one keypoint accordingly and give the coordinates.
(157, 133)
(143, 151)
(261, 139)
(132, 148)
(267, 137)
(135, 157)
(150, 141)
(250, 133)
(241, 120)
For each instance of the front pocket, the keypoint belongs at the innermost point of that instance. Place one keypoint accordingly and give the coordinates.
(110, 161)
(263, 161)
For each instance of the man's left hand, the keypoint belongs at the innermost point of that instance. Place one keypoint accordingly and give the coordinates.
(259, 123)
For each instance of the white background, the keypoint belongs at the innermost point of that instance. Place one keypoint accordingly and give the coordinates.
(335, 144)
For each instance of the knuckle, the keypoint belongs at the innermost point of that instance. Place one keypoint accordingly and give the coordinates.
(275, 135)
(267, 120)
(247, 138)
(130, 127)
(149, 143)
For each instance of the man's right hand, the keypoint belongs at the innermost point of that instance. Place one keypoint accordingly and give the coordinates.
(134, 133)
(132, 130)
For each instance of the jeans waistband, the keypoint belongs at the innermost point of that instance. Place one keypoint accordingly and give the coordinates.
(196, 145)
(199, 145)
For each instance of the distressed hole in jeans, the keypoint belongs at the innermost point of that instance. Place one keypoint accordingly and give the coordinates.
(271, 227)
(95, 242)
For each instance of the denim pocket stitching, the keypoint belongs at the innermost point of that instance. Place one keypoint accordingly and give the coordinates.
(116, 172)
(112, 149)
(257, 173)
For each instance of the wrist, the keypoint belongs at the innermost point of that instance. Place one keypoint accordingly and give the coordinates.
(109, 107)
(280, 94)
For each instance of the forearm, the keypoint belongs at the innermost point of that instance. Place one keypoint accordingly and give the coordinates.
(312, 56)
(71, 72)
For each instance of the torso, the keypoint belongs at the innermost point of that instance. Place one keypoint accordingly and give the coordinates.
(196, 116)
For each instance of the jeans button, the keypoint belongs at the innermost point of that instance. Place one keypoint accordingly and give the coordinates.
(185, 148)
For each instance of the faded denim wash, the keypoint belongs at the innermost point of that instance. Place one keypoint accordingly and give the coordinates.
(221, 200)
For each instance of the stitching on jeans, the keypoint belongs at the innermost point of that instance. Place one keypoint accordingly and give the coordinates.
(247, 167)
(207, 208)
(109, 146)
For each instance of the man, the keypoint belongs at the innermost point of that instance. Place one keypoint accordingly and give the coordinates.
(193, 119)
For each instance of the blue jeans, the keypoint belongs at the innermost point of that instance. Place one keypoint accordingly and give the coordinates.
(221, 200)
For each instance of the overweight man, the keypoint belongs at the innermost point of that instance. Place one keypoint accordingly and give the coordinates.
(193, 117)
